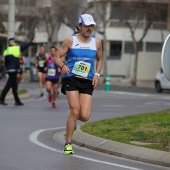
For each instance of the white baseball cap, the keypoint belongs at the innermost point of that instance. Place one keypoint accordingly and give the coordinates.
(86, 20)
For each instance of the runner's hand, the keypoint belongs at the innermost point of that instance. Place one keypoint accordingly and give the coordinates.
(95, 81)
(65, 70)
(45, 69)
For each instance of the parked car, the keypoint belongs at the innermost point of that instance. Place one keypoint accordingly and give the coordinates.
(161, 82)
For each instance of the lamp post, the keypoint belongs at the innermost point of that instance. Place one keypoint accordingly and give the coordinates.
(11, 19)
(11, 26)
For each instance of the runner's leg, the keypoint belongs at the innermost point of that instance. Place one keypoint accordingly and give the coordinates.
(55, 87)
(48, 89)
(40, 77)
(48, 86)
(74, 104)
(85, 106)
(19, 77)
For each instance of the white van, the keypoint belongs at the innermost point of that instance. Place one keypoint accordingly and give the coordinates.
(161, 82)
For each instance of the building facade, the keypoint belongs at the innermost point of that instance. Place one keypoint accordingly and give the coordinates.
(116, 21)
(121, 18)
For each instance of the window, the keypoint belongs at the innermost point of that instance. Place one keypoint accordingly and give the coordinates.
(129, 47)
(115, 49)
(153, 47)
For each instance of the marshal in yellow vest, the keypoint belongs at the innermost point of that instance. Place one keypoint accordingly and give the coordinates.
(12, 50)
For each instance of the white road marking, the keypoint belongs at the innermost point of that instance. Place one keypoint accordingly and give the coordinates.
(34, 139)
(156, 103)
(133, 94)
(113, 105)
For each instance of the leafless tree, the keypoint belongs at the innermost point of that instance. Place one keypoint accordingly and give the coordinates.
(27, 14)
(31, 12)
(139, 14)
(66, 12)
(144, 14)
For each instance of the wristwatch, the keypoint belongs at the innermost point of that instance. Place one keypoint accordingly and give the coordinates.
(97, 74)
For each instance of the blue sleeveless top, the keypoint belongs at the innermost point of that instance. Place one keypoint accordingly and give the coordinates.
(52, 69)
(81, 58)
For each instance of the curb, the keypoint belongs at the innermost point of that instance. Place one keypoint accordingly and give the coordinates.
(122, 150)
(21, 96)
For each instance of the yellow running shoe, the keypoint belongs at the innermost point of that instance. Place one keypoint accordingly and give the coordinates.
(75, 126)
(68, 150)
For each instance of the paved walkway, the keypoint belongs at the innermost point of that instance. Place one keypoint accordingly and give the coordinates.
(22, 96)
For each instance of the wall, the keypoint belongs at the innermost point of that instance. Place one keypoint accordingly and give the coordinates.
(148, 65)
(148, 62)
(120, 67)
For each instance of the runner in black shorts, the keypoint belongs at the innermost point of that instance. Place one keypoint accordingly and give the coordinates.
(40, 62)
(55, 81)
(81, 75)
(52, 77)
(77, 84)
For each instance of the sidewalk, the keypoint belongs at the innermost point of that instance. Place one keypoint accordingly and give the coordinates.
(122, 150)
(21, 96)
(10, 96)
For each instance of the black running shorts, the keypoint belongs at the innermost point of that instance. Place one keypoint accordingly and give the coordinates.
(53, 81)
(77, 84)
(41, 69)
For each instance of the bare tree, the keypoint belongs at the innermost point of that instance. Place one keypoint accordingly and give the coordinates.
(68, 11)
(139, 14)
(143, 15)
(27, 14)
(61, 12)
(33, 12)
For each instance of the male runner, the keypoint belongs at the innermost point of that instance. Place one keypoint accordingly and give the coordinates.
(52, 77)
(81, 76)
(40, 61)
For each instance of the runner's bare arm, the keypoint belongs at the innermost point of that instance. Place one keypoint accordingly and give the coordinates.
(99, 56)
(36, 60)
(46, 57)
(66, 45)
(99, 62)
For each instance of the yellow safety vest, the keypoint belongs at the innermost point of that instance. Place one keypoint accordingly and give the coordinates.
(12, 50)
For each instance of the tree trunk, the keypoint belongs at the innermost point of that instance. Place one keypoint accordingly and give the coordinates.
(104, 57)
(134, 77)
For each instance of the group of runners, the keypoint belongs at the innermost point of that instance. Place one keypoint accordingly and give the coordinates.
(80, 73)
(48, 73)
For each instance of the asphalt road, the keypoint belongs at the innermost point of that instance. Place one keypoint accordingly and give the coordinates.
(26, 132)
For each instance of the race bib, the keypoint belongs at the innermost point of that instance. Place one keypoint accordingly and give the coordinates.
(51, 72)
(41, 63)
(81, 68)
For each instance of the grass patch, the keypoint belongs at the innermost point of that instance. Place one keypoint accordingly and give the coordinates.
(20, 91)
(147, 128)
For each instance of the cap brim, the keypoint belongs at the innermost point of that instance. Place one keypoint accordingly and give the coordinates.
(88, 23)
